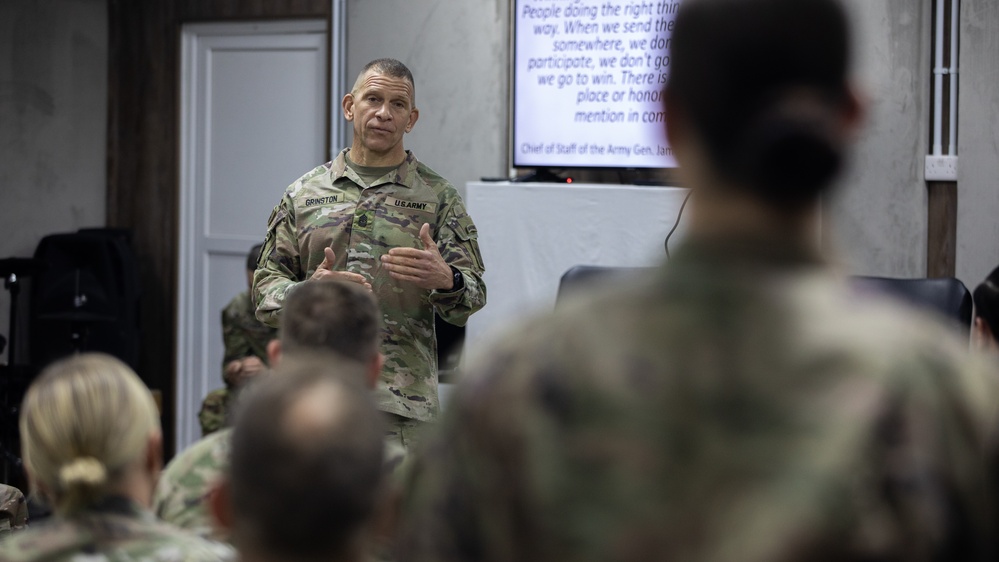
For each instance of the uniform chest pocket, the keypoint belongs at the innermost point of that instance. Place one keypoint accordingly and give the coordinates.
(397, 222)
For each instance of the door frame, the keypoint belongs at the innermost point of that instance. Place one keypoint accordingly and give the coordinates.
(195, 373)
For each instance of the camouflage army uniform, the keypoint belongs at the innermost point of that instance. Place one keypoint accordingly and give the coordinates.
(115, 531)
(187, 480)
(244, 336)
(738, 404)
(328, 207)
(13, 510)
(214, 410)
(242, 333)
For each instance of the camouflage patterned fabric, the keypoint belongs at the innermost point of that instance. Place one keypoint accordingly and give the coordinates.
(214, 410)
(116, 531)
(739, 404)
(328, 208)
(405, 433)
(242, 333)
(243, 336)
(187, 480)
(13, 510)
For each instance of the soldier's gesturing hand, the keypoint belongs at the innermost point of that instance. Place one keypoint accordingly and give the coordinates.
(325, 271)
(424, 268)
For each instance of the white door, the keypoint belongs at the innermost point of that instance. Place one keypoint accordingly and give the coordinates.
(254, 117)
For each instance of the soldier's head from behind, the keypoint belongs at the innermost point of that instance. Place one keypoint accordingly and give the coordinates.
(305, 476)
(985, 330)
(90, 429)
(331, 317)
(758, 103)
(251, 263)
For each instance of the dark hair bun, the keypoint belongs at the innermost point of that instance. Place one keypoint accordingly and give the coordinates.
(791, 153)
(764, 83)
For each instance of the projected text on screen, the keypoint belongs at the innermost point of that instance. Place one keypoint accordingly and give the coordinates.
(588, 81)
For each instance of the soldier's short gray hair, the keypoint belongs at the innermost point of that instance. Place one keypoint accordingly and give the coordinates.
(331, 316)
(388, 67)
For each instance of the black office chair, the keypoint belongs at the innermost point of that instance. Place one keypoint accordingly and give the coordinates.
(450, 344)
(582, 276)
(945, 296)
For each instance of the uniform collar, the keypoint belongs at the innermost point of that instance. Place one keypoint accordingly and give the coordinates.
(116, 504)
(405, 174)
(749, 250)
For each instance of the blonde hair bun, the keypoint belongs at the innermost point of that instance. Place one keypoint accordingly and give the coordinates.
(83, 471)
(84, 421)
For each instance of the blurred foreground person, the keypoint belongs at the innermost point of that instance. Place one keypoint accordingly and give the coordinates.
(335, 318)
(92, 447)
(985, 327)
(742, 403)
(305, 481)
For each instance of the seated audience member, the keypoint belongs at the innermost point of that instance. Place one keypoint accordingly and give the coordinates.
(13, 510)
(333, 317)
(740, 403)
(245, 340)
(305, 481)
(91, 442)
(986, 324)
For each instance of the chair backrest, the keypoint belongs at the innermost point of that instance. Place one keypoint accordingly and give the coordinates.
(581, 276)
(946, 296)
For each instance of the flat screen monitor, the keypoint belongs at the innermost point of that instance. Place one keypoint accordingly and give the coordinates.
(588, 77)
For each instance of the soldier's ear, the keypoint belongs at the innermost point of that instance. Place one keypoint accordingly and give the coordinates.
(154, 453)
(37, 488)
(273, 353)
(414, 115)
(347, 104)
(220, 505)
(375, 370)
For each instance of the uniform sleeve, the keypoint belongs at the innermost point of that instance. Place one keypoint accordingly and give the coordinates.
(214, 411)
(458, 242)
(279, 268)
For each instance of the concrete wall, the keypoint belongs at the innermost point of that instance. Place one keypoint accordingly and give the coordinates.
(458, 52)
(878, 216)
(53, 120)
(978, 142)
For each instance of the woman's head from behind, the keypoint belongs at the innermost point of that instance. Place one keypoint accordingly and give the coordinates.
(985, 331)
(760, 87)
(89, 429)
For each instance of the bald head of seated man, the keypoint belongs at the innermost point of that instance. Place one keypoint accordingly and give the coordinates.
(305, 481)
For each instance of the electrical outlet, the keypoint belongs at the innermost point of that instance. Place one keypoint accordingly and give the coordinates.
(941, 168)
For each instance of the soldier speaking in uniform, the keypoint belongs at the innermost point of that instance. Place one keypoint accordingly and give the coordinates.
(378, 217)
